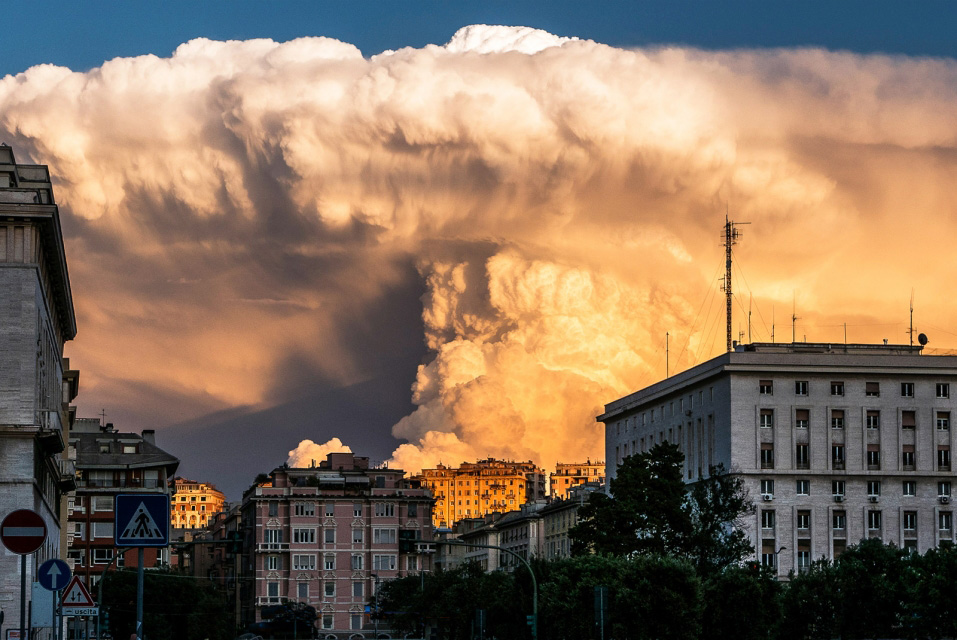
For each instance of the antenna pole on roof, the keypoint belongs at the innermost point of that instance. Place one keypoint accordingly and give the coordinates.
(731, 236)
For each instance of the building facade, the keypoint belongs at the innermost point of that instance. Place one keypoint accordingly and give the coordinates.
(108, 463)
(473, 490)
(36, 383)
(327, 536)
(835, 443)
(194, 503)
(568, 475)
(560, 516)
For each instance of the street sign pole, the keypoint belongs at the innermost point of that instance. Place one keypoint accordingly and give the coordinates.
(139, 593)
(23, 595)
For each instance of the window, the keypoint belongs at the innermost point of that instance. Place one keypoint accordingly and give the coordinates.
(383, 563)
(305, 509)
(272, 563)
(273, 509)
(801, 456)
(767, 519)
(330, 509)
(302, 588)
(908, 420)
(873, 488)
(943, 457)
(327, 621)
(837, 456)
(329, 536)
(357, 510)
(837, 487)
(800, 388)
(304, 536)
(907, 457)
(356, 563)
(767, 418)
(413, 509)
(804, 555)
(872, 389)
(329, 589)
(766, 387)
(907, 389)
(385, 509)
(943, 489)
(383, 536)
(909, 488)
(412, 563)
(873, 419)
(303, 562)
(357, 590)
(801, 418)
(329, 562)
(767, 486)
(874, 520)
(945, 520)
(839, 520)
(767, 455)
(837, 388)
(102, 529)
(837, 418)
(769, 556)
(943, 420)
(356, 536)
(102, 556)
(874, 457)
(102, 503)
(910, 521)
(803, 519)
(355, 621)
(803, 487)
(273, 537)
(943, 390)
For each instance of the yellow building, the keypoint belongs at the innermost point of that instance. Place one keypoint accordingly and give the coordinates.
(194, 503)
(475, 489)
(572, 474)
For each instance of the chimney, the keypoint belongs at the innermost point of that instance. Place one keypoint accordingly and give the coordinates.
(149, 435)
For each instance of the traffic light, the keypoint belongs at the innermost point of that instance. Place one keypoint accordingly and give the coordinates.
(532, 621)
(407, 541)
(234, 543)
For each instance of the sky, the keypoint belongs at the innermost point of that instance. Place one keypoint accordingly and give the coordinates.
(437, 232)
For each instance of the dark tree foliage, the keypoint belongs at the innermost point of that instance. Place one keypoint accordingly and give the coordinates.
(175, 607)
(934, 593)
(653, 511)
(741, 602)
(810, 604)
(872, 582)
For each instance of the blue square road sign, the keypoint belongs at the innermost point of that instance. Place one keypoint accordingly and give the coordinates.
(142, 520)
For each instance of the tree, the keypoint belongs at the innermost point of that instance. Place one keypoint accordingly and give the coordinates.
(652, 511)
(648, 512)
(810, 604)
(871, 579)
(724, 593)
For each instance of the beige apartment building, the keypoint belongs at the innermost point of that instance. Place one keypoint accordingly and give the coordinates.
(568, 475)
(473, 490)
(834, 442)
(194, 503)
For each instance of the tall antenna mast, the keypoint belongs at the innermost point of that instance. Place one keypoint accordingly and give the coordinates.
(911, 329)
(750, 300)
(794, 317)
(731, 236)
(666, 354)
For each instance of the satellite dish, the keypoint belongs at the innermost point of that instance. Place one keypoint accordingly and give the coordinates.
(922, 339)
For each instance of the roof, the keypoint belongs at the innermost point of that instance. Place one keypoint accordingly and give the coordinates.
(88, 455)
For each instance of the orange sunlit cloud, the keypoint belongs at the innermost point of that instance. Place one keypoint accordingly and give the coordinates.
(236, 206)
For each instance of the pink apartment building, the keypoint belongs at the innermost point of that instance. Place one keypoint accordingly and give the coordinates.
(328, 536)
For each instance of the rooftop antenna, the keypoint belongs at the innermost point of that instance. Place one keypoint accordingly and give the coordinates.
(794, 317)
(750, 300)
(666, 354)
(731, 236)
(102, 417)
(772, 324)
(910, 331)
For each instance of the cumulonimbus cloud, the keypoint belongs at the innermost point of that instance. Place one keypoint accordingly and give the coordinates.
(238, 203)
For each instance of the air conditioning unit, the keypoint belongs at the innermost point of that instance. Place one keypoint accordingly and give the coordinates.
(767, 497)
(838, 497)
(944, 499)
(873, 499)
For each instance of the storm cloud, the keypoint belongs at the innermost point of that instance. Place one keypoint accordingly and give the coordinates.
(246, 220)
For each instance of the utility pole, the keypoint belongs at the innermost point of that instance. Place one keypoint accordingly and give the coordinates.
(731, 236)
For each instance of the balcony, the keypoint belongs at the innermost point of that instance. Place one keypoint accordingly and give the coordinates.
(269, 600)
(267, 547)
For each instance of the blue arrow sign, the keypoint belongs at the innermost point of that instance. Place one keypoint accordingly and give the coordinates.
(142, 520)
(54, 574)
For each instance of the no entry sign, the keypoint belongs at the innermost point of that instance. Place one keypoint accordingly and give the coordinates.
(23, 531)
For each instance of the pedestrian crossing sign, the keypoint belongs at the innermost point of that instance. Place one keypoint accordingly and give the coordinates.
(142, 520)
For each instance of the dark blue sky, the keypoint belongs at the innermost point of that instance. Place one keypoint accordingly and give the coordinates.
(82, 34)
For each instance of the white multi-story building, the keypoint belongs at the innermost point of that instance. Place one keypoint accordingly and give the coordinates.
(835, 443)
